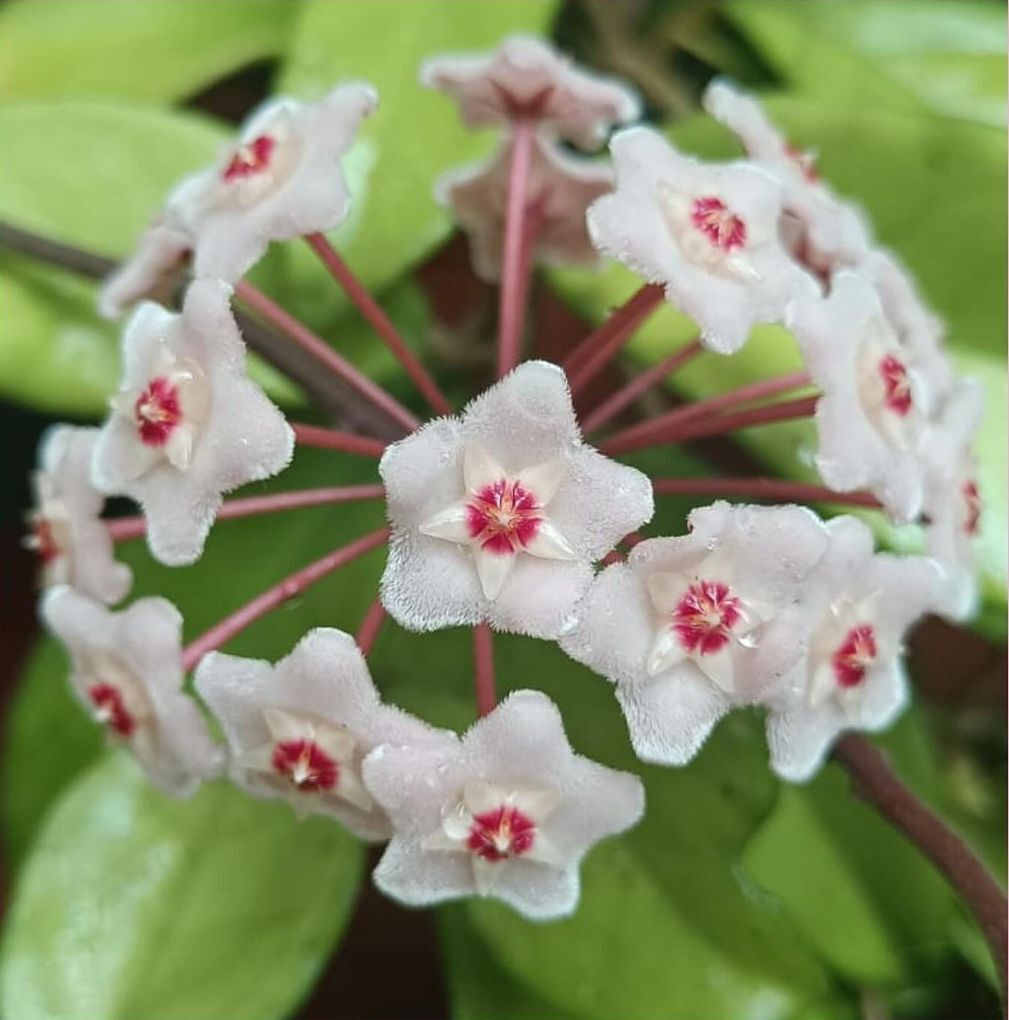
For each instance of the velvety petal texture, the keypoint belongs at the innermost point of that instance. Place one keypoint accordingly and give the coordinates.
(526, 79)
(188, 425)
(498, 515)
(689, 627)
(508, 811)
(72, 542)
(560, 190)
(709, 233)
(126, 670)
(851, 677)
(871, 414)
(299, 730)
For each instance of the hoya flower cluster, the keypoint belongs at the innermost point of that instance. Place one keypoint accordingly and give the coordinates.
(502, 516)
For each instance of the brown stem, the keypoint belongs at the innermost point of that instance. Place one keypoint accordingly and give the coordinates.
(327, 392)
(877, 784)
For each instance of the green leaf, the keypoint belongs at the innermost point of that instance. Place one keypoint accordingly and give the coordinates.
(932, 188)
(943, 56)
(158, 52)
(415, 134)
(224, 579)
(866, 898)
(136, 905)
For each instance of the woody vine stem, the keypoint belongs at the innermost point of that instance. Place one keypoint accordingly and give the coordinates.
(374, 417)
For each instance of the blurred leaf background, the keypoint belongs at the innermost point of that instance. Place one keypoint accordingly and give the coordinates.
(735, 897)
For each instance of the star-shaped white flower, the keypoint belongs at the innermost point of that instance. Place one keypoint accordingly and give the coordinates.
(871, 414)
(507, 811)
(953, 499)
(709, 233)
(689, 627)
(187, 425)
(72, 542)
(560, 190)
(525, 79)
(852, 676)
(825, 232)
(299, 730)
(126, 670)
(498, 515)
(152, 271)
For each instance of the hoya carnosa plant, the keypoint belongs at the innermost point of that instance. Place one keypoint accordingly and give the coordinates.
(514, 512)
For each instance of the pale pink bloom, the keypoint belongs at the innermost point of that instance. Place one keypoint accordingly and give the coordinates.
(126, 670)
(187, 424)
(707, 232)
(560, 189)
(299, 730)
(508, 810)
(953, 499)
(823, 231)
(498, 515)
(690, 626)
(153, 271)
(72, 542)
(859, 606)
(526, 79)
(872, 412)
(281, 179)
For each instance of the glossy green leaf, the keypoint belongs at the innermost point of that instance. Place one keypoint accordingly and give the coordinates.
(136, 905)
(158, 52)
(415, 134)
(876, 909)
(943, 56)
(932, 189)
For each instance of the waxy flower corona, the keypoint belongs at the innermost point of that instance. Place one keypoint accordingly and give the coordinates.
(514, 512)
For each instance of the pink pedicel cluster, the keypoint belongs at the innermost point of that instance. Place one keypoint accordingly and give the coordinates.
(502, 515)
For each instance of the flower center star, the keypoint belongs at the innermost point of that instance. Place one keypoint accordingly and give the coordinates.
(718, 223)
(109, 708)
(704, 617)
(503, 517)
(250, 159)
(501, 834)
(44, 541)
(972, 507)
(157, 411)
(306, 765)
(853, 657)
(805, 161)
(896, 385)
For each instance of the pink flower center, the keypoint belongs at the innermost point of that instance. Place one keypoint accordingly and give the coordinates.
(503, 517)
(804, 161)
(45, 545)
(502, 833)
(158, 410)
(896, 384)
(718, 223)
(110, 709)
(855, 655)
(308, 767)
(250, 159)
(703, 619)
(972, 501)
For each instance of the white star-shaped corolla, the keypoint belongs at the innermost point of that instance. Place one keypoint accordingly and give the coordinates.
(508, 811)
(691, 626)
(126, 670)
(298, 730)
(526, 79)
(67, 533)
(871, 414)
(498, 515)
(708, 233)
(859, 607)
(953, 498)
(187, 425)
(560, 189)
